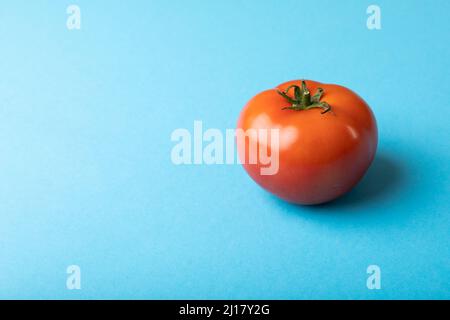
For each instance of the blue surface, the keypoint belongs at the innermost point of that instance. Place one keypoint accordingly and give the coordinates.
(86, 176)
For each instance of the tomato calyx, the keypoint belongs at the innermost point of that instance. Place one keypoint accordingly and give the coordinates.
(303, 100)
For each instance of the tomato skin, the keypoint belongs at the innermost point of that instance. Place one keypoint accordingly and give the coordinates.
(321, 156)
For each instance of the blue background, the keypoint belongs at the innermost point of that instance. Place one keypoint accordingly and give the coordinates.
(86, 176)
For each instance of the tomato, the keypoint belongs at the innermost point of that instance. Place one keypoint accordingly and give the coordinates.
(327, 140)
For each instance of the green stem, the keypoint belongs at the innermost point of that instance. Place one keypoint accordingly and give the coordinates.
(306, 98)
(302, 99)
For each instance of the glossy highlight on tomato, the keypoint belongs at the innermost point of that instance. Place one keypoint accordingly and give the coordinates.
(328, 139)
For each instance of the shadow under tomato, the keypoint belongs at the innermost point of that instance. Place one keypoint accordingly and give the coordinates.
(384, 179)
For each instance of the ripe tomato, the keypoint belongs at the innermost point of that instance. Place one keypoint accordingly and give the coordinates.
(327, 140)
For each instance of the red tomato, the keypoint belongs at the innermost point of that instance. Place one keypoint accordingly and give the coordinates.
(327, 140)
